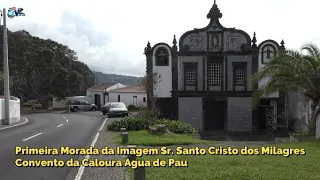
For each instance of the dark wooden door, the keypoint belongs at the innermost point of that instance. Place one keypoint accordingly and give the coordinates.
(214, 114)
(262, 116)
(97, 100)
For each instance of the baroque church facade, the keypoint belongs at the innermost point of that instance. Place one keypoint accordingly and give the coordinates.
(206, 81)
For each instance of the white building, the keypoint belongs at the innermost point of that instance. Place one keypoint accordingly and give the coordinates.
(99, 94)
(134, 95)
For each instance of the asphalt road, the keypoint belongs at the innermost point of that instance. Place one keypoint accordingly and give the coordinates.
(48, 129)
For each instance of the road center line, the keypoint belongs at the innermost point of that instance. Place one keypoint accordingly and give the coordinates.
(81, 169)
(32, 137)
(66, 119)
(104, 122)
(60, 125)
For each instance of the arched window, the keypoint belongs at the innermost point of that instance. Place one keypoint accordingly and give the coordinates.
(162, 57)
(268, 53)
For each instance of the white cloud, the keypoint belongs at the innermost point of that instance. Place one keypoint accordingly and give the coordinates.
(110, 36)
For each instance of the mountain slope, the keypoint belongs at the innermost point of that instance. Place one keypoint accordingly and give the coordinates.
(108, 78)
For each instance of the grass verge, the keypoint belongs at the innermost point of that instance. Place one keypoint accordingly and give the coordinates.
(145, 139)
(241, 167)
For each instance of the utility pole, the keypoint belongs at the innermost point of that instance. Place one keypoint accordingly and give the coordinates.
(6, 119)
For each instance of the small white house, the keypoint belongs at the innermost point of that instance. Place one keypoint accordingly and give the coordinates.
(133, 95)
(99, 94)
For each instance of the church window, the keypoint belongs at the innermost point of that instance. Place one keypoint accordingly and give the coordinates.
(214, 73)
(190, 74)
(239, 76)
(162, 57)
(268, 53)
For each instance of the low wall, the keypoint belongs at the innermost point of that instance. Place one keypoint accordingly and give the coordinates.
(299, 112)
(14, 109)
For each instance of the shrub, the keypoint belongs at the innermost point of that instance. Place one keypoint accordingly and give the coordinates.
(177, 126)
(132, 107)
(146, 115)
(130, 123)
(137, 124)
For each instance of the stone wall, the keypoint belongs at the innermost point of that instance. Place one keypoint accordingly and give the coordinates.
(14, 109)
(190, 111)
(239, 114)
(299, 113)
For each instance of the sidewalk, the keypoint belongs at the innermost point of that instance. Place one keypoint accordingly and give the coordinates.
(105, 173)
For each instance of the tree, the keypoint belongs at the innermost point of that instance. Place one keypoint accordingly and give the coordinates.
(293, 71)
(151, 82)
(41, 69)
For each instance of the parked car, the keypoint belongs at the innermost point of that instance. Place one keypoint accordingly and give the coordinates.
(76, 105)
(114, 109)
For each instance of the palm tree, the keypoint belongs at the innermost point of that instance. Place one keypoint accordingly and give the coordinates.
(293, 71)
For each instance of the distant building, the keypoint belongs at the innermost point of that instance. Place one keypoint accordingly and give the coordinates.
(132, 95)
(206, 82)
(99, 94)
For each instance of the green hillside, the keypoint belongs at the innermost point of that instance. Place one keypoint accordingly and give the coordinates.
(109, 78)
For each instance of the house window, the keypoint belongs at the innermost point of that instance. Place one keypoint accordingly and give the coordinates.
(162, 57)
(239, 76)
(118, 98)
(144, 99)
(190, 75)
(214, 73)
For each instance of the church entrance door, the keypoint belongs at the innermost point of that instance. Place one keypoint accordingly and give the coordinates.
(214, 114)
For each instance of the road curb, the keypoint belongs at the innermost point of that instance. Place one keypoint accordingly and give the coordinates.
(15, 125)
(38, 112)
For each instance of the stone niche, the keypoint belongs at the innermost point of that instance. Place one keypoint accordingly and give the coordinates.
(215, 42)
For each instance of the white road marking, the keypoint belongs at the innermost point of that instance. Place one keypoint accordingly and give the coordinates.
(26, 120)
(32, 137)
(66, 119)
(60, 125)
(81, 169)
(104, 122)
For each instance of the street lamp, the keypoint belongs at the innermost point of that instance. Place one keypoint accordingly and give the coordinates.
(12, 12)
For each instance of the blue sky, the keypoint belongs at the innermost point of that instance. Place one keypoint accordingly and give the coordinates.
(110, 36)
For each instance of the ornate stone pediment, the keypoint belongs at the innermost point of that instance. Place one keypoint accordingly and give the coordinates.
(214, 37)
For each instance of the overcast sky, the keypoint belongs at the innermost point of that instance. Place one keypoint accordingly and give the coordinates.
(110, 36)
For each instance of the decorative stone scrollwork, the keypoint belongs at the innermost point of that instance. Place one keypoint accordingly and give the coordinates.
(196, 42)
(234, 42)
(185, 48)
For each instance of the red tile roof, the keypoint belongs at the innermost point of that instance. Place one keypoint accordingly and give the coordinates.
(101, 87)
(131, 89)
